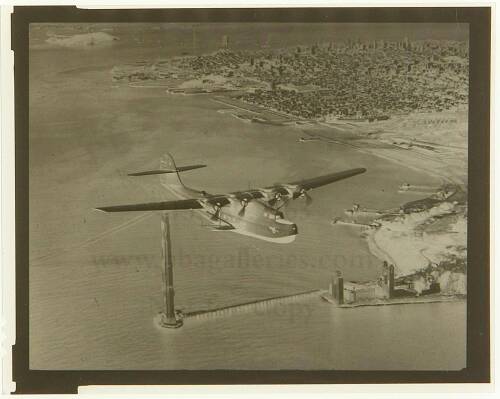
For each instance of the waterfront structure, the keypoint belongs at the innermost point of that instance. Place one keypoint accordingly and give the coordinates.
(168, 317)
(225, 42)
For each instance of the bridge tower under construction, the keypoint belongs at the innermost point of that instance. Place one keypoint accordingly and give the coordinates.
(168, 318)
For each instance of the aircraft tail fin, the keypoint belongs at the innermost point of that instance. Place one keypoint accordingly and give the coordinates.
(170, 177)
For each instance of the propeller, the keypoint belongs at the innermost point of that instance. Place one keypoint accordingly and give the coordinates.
(309, 199)
(244, 204)
(303, 194)
(283, 204)
(217, 202)
(216, 215)
(276, 199)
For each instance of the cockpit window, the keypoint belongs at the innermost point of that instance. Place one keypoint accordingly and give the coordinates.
(279, 215)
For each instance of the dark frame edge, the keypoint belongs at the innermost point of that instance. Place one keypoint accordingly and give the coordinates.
(478, 308)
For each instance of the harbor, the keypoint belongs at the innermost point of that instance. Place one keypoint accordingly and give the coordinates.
(119, 129)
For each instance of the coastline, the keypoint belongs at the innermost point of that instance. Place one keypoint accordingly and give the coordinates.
(375, 249)
(433, 164)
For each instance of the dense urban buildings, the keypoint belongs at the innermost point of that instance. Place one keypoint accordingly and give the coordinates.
(352, 80)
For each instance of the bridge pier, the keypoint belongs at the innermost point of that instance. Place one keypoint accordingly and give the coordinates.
(168, 317)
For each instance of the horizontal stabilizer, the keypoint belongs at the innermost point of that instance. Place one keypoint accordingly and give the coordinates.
(162, 171)
(150, 172)
(189, 167)
(155, 206)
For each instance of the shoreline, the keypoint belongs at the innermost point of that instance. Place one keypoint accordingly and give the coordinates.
(403, 244)
(413, 160)
(375, 249)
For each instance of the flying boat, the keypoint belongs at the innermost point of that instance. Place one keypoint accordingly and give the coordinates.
(255, 212)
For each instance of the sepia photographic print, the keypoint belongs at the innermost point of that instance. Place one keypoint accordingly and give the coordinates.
(252, 194)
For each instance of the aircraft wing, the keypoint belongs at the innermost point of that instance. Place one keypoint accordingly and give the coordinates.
(278, 192)
(308, 184)
(271, 194)
(155, 206)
